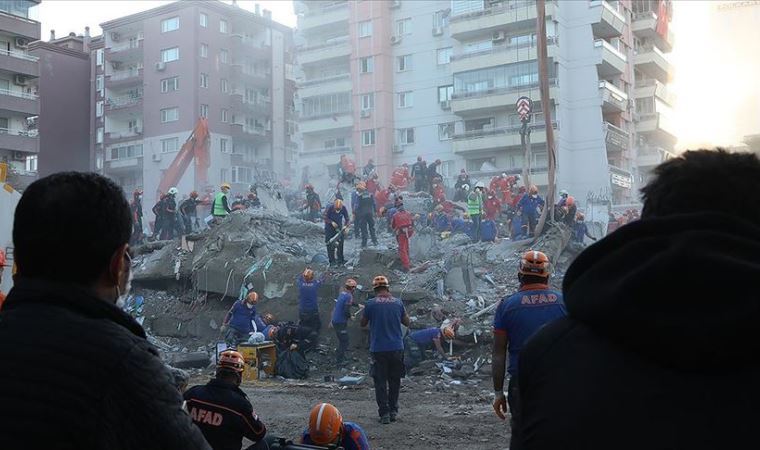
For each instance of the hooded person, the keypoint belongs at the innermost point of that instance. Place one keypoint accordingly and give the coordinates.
(660, 348)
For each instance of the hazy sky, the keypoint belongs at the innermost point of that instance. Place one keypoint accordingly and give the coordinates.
(65, 16)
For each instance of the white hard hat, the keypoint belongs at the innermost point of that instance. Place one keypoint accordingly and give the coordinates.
(466, 187)
(504, 174)
(563, 192)
(480, 184)
(173, 191)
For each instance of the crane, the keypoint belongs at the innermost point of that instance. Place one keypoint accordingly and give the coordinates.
(196, 146)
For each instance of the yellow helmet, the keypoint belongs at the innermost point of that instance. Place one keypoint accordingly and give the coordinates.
(226, 186)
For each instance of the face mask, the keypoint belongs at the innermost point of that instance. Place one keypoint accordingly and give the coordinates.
(249, 305)
(122, 297)
(534, 196)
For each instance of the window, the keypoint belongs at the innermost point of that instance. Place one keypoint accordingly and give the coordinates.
(99, 109)
(99, 83)
(445, 93)
(169, 115)
(204, 50)
(170, 54)
(405, 99)
(224, 56)
(326, 105)
(170, 24)
(204, 80)
(99, 56)
(132, 125)
(440, 19)
(403, 26)
(444, 55)
(365, 28)
(242, 175)
(170, 84)
(523, 40)
(403, 63)
(204, 110)
(406, 136)
(127, 151)
(99, 135)
(478, 46)
(509, 76)
(368, 101)
(223, 175)
(222, 26)
(366, 65)
(30, 163)
(223, 147)
(204, 20)
(368, 137)
(224, 85)
(169, 145)
(224, 115)
(445, 131)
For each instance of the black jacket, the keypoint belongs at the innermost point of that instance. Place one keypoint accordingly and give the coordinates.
(78, 373)
(224, 415)
(660, 349)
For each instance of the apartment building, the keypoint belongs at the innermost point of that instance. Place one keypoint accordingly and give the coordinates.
(156, 72)
(19, 103)
(440, 79)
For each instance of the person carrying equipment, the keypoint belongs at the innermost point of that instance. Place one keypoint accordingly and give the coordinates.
(327, 428)
(335, 231)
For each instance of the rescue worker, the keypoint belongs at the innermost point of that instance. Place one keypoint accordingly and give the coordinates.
(327, 429)
(516, 319)
(580, 229)
(492, 206)
(563, 195)
(308, 305)
(158, 212)
(369, 169)
(372, 183)
(238, 203)
(220, 207)
(385, 314)
(340, 316)
(518, 227)
(252, 201)
(312, 203)
(419, 172)
(402, 224)
(570, 211)
(475, 209)
(137, 216)
(531, 206)
(335, 231)
(364, 213)
(221, 409)
(171, 227)
(400, 177)
(417, 343)
(3, 262)
(517, 198)
(188, 209)
(431, 174)
(346, 170)
(437, 191)
(502, 186)
(440, 220)
(242, 320)
(463, 179)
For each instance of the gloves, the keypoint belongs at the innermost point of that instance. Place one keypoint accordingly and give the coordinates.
(335, 225)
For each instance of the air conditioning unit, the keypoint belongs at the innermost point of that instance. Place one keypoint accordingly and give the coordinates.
(115, 36)
(157, 157)
(160, 66)
(365, 113)
(395, 4)
(21, 42)
(20, 80)
(395, 40)
(499, 36)
(437, 31)
(19, 156)
(446, 104)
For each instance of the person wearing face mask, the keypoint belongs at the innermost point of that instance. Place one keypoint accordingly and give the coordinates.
(242, 320)
(78, 372)
(137, 216)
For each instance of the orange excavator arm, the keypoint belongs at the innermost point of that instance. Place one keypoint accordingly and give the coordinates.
(196, 146)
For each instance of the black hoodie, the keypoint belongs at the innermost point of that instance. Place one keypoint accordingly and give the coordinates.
(660, 348)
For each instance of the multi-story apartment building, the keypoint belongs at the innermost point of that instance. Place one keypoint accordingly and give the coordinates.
(19, 103)
(156, 72)
(397, 79)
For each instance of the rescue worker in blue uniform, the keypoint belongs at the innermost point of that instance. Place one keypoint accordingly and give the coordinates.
(308, 306)
(340, 317)
(242, 319)
(327, 429)
(417, 343)
(335, 216)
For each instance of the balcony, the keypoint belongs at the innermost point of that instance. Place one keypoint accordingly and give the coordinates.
(652, 62)
(658, 128)
(124, 78)
(313, 152)
(15, 102)
(324, 16)
(125, 51)
(113, 137)
(610, 61)
(500, 55)
(20, 26)
(325, 85)
(336, 48)
(496, 16)
(617, 139)
(608, 22)
(497, 99)
(125, 164)
(653, 88)
(261, 107)
(620, 178)
(19, 140)
(613, 99)
(247, 132)
(645, 26)
(258, 78)
(123, 102)
(249, 45)
(491, 139)
(325, 122)
(18, 62)
(650, 157)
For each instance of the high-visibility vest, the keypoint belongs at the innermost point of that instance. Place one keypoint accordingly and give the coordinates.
(474, 203)
(219, 204)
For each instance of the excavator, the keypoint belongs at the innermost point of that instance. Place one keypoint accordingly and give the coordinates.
(196, 146)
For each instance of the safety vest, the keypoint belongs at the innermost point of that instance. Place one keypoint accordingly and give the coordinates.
(219, 204)
(474, 203)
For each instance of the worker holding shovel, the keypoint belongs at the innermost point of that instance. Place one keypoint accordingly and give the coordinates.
(335, 216)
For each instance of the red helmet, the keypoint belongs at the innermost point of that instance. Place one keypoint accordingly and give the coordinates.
(194, 194)
(570, 200)
(325, 424)
(230, 359)
(534, 263)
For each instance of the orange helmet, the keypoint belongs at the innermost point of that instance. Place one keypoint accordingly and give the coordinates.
(272, 332)
(380, 281)
(325, 424)
(308, 275)
(449, 333)
(361, 186)
(534, 263)
(570, 200)
(3, 261)
(194, 194)
(252, 297)
(533, 190)
(230, 359)
(351, 283)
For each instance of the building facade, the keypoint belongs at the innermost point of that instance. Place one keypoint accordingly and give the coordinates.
(395, 79)
(157, 72)
(19, 102)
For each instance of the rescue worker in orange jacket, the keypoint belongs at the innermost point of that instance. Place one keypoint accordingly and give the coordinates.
(402, 224)
(400, 177)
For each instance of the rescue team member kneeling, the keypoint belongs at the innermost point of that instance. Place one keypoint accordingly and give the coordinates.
(222, 411)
